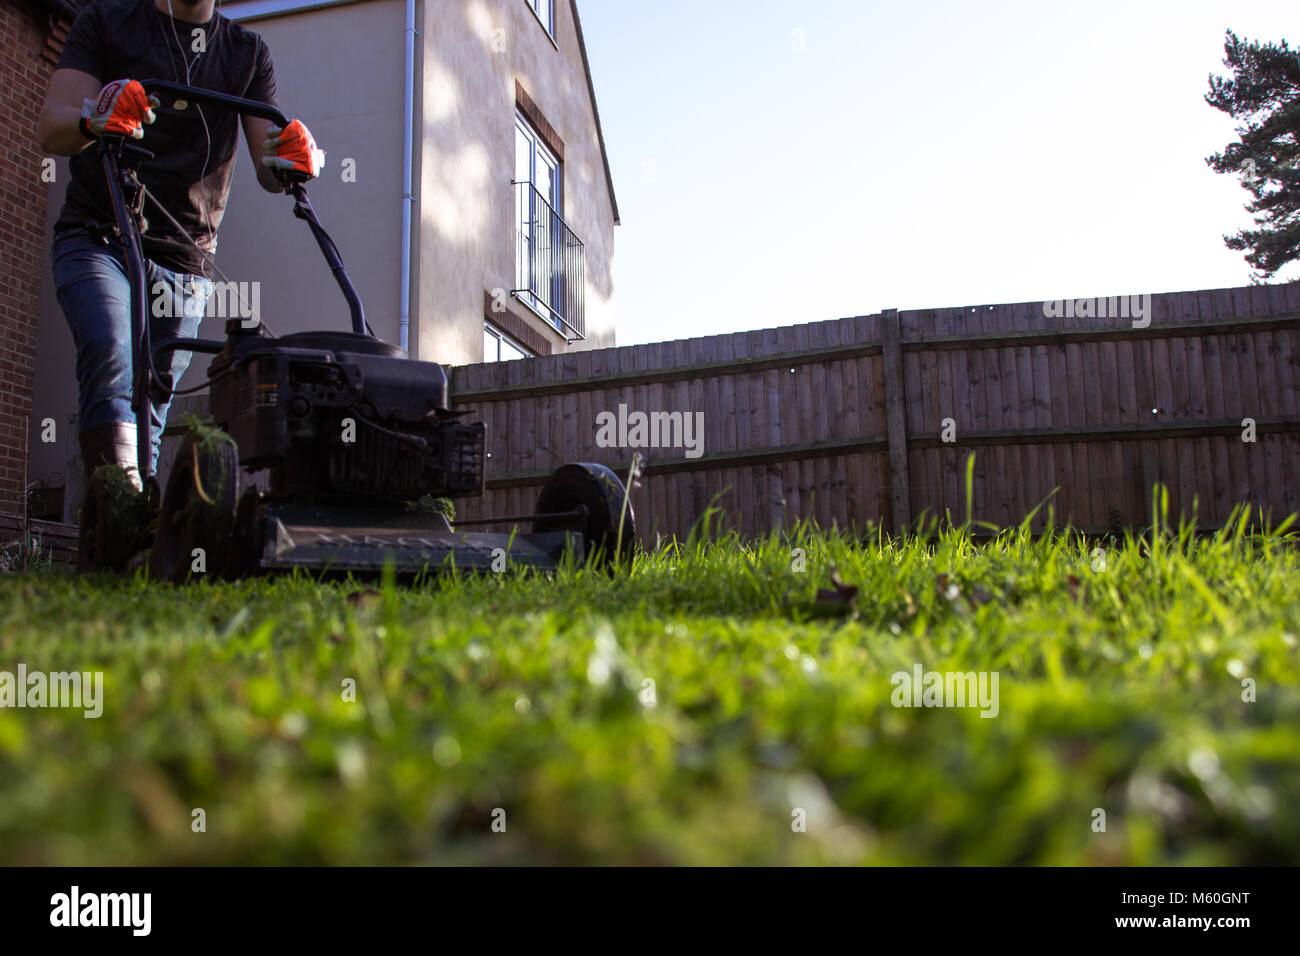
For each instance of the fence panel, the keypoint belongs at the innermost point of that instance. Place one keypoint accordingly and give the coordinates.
(868, 421)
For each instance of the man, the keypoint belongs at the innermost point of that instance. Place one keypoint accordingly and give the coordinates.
(95, 91)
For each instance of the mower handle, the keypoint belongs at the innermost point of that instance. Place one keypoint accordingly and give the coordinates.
(220, 100)
(302, 207)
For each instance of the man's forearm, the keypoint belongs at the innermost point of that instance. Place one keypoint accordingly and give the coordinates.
(59, 130)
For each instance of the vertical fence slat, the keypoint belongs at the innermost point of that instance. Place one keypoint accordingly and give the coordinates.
(812, 380)
(1211, 348)
(978, 372)
(665, 502)
(837, 467)
(1018, 454)
(1251, 404)
(1022, 320)
(738, 437)
(1184, 477)
(896, 420)
(1271, 444)
(773, 424)
(1228, 402)
(862, 487)
(1198, 407)
(722, 396)
(758, 437)
(921, 367)
(1112, 451)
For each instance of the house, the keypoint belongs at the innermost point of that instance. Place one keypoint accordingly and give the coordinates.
(493, 241)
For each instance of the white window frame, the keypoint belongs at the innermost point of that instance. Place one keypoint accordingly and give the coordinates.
(544, 11)
(495, 332)
(538, 148)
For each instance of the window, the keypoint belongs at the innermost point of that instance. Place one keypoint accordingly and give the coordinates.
(536, 164)
(499, 347)
(538, 203)
(550, 270)
(545, 12)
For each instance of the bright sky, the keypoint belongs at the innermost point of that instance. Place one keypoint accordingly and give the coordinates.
(781, 162)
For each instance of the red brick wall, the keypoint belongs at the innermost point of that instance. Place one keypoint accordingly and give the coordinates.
(24, 74)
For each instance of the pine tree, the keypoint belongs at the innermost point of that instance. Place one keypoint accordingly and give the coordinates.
(1263, 94)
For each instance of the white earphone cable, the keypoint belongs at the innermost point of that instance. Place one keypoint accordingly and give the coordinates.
(207, 133)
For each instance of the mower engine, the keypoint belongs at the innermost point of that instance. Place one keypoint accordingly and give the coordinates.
(337, 415)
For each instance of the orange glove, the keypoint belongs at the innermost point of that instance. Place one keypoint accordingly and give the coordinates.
(295, 154)
(121, 108)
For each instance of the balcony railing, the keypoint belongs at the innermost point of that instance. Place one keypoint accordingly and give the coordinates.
(551, 263)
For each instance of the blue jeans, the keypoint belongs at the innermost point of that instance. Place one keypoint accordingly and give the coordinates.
(95, 293)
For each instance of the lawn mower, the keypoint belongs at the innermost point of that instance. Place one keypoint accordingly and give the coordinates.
(348, 429)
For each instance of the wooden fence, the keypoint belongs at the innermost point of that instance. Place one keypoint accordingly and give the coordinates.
(868, 421)
(52, 539)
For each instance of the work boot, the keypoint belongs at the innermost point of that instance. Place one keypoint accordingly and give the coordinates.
(113, 443)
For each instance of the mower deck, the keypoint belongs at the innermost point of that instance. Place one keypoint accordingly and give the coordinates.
(339, 539)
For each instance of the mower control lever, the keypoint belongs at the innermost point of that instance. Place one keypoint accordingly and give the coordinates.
(235, 104)
(302, 208)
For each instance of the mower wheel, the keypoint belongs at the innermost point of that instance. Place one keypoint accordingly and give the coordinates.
(198, 510)
(597, 490)
(243, 556)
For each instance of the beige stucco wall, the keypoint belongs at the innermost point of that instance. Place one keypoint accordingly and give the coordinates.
(339, 69)
(467, 239)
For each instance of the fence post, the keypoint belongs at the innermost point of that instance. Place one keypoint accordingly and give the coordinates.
(896, 418)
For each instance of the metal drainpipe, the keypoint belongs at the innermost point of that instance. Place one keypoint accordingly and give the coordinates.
(408, 198)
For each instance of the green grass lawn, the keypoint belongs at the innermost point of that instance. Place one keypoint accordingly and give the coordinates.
(1120, 689)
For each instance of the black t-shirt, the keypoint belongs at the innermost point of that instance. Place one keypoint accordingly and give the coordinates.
(192, 166)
